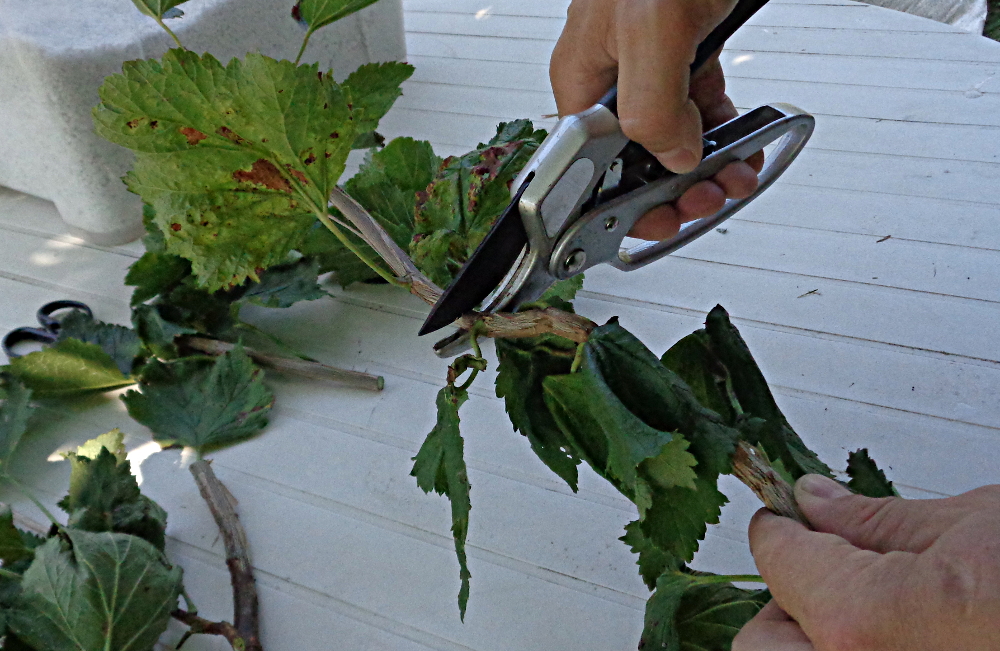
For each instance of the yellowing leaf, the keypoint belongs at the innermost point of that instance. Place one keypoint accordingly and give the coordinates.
(69, 367)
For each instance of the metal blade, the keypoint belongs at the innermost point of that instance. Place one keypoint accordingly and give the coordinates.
(494, 257)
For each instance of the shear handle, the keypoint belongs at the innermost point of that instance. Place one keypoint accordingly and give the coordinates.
(794, 131)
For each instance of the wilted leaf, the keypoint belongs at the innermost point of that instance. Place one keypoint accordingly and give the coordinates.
(693, 361)
(202, 403)
(866, 478)
(440, 467)
(678, 518)
(120, 343)
(100, 591)
(69, 367)
(157, 333)
(652, 560)
(456, 211)
(777, 438)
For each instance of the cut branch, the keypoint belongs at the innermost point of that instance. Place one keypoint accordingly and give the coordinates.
(752, 468)
(199, 625)
(222, 504)
(301, 367)
(530, 323)
(375, 236)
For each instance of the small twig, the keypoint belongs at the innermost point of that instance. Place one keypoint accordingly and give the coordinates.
(222, 505)
(375, 236)
(301, 367)
(199, 625)
(752, 468)
(530, 323)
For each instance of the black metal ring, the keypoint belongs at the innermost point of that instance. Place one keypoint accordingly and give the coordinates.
(19, 335)
(49, 322)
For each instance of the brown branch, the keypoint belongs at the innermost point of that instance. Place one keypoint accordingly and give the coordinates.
(752, 468)
(222, 504)
(300, 367)
(375, 236)
(199, 625)
(530, 323)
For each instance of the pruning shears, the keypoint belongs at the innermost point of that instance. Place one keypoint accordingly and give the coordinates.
(579, 195)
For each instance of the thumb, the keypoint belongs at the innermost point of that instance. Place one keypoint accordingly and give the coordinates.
(877, 524)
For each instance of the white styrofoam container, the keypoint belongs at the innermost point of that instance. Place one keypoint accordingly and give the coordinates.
(54, 56)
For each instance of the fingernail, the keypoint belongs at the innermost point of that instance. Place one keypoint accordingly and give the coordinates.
(679, 161)
(821, 487)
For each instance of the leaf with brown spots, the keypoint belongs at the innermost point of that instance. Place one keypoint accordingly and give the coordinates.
(243, 156)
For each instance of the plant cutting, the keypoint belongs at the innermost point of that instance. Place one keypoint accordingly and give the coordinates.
(238, 165)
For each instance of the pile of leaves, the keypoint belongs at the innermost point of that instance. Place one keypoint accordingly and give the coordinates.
(235, 164)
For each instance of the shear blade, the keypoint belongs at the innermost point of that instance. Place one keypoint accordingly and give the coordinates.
(484, 271)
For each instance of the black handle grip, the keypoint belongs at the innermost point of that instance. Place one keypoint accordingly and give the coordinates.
(741, 13)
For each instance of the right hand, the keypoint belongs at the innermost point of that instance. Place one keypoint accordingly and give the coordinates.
(884, 574)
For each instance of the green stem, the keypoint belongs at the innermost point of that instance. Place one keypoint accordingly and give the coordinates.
(24, 491)
(725, 578)
(169, 31)
(191, 608)
(731, 394)
(473, 339)
(305, 42)
(578, 358)
(353, 248)
(7, 574)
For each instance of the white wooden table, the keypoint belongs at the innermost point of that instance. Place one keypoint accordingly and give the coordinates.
(866, 282)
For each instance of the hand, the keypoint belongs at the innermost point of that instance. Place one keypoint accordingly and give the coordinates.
(878, 574)
(647, 46)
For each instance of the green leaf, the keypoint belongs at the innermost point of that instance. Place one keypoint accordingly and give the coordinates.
(15, 545)
(70, 367)
(157, 333)
(373, 89)
(440, 467)
(686, 614)
(652, 560)
(156, 8)
(524, 364)
(120, 343)
(660, 398)
(778, 438)
(235, 160)
(155, 273)
(458, 208)
(866, 478)
(286, 284)
(692, 360)
(319, 13)
(104, 495)
(200, 402)
(15, 412)
(678, 517)
(386, 185)
(192, 308)
(101, 591)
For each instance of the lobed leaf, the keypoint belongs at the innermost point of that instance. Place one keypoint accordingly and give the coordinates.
(201, 402)
(105, 591)
(866, 478)
(155, 273)
(157, 333)
(686, 614)
(15, 412)
(320, 13)
(157, 8)
(373, 89)
(120, 343)
(524, 364)
(69, 367)
(15, 545)
(236, 161)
